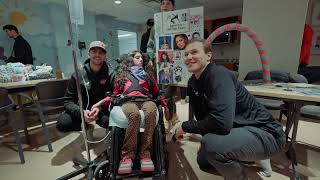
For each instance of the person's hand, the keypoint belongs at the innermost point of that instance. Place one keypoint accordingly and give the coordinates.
(94, 113)
(88, 118)
(150, 63)
(179, 133)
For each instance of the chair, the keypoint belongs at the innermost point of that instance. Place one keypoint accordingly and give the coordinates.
(307, 111)
(276, 76)
(50, 98)
(310, 111)
(6, 109)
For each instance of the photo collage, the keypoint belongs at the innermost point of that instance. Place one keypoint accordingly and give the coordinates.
(172, 38)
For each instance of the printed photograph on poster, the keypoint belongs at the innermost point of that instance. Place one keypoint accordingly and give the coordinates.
(165, 73)
(175, 21)
(195, 35)
(315, 49)
(180, 73)
(178, 56)
(177, 73)
(180, 41)
(165, 42)
(165, 57)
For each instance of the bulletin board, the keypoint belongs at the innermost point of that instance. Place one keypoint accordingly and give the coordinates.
(173, 30)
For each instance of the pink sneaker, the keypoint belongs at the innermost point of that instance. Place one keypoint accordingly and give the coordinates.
(146, 165)
(125, 166)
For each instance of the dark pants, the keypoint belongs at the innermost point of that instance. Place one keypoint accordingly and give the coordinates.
(312, 73)
(67, 123)
(224, 152)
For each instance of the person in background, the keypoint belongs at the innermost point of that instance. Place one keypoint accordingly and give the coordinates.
(234, 125)
(170, 91)
(97, 80)
(22, 51)
(145, 36)
(312, 73)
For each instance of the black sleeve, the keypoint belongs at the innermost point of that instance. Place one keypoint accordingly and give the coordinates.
(71, 105)
(221, 103)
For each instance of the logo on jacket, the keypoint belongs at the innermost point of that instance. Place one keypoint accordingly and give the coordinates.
(103, 81)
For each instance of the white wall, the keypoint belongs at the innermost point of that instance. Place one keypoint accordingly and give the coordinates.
(280, 25)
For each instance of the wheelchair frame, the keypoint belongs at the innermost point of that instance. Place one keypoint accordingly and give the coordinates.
(109, 169)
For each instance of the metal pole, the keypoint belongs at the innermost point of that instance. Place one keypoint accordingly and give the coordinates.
(74, 55)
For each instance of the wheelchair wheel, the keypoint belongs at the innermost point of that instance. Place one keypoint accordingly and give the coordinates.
(115, 152)
(102, 171)
(161, 155)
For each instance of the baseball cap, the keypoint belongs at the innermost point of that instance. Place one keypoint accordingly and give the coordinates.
(98, 44)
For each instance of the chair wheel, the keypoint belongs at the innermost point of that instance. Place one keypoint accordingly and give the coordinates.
(101, 172)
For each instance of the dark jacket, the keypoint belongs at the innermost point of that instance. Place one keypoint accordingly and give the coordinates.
(220, 102)
(97, 84)
(144, 41)
(21, 52)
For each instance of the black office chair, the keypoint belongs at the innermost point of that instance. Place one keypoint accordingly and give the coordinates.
(276, 76)
(307, 111)
(9, 119)
(49, 100)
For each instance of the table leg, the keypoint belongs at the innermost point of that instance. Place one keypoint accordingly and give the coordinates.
(24, 122)
(293, 120)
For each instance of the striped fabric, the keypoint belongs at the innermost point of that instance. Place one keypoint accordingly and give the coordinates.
(258, 43)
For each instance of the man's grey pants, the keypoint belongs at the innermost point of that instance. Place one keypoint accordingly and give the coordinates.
(223, 152)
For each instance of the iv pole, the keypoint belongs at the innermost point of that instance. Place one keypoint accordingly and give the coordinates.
(73, 30)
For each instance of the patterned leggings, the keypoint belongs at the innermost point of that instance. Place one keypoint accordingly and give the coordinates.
(131, 110)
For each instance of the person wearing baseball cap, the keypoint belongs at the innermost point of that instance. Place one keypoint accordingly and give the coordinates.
(97, 78)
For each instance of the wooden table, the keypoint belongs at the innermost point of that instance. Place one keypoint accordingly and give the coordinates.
(296, 95)
(19, 89)
(14, 87)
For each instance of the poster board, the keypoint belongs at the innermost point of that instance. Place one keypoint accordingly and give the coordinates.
(172, 31)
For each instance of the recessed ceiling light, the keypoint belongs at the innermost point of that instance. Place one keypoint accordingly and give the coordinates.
(118, 2)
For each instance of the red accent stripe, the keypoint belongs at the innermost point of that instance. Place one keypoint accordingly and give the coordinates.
(209, 39)
(217, 32)
(262, 52)
(227, 27)
(265, 61)
(253, 36)
(266, 72)
(237, 26)
(258, 43)
(245, 29)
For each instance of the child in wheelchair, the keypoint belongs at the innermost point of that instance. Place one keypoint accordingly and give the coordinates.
(136, 89)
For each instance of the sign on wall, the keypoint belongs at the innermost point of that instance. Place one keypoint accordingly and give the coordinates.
(173, 30)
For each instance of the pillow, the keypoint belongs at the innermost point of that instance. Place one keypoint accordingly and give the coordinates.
(118, 119)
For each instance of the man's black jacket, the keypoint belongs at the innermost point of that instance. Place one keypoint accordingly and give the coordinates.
(21, 52)
(220, 102)
(97, 85)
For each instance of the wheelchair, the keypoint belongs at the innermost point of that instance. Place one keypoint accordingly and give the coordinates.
(118, 122)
